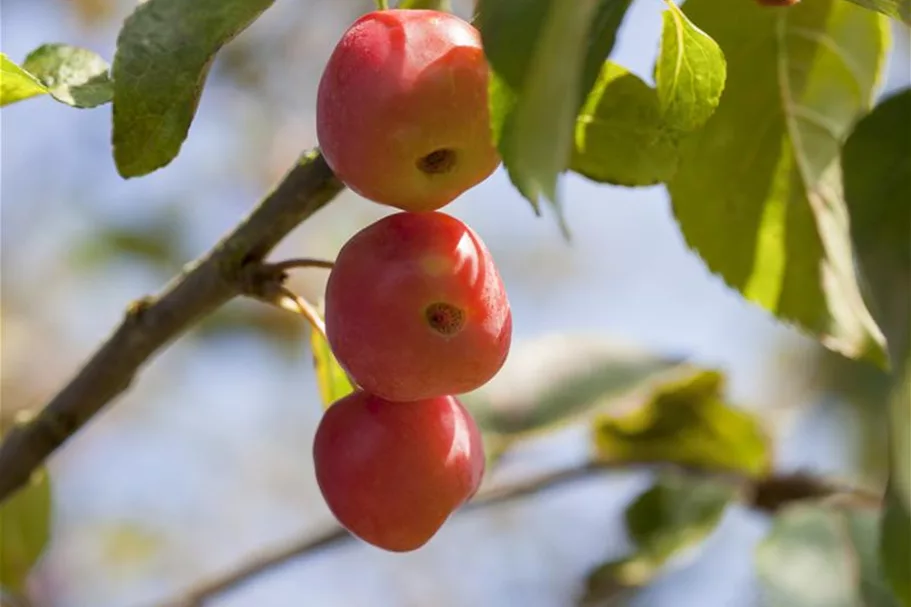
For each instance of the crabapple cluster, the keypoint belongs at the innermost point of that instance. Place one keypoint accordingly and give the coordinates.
(416, 311)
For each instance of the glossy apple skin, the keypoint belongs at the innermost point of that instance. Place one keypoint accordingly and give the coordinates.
(399, 86)
(415, 308)
(392, 473)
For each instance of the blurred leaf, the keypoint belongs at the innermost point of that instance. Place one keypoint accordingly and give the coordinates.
(687, 422)
(621, 137)
(110, 244)
(897, 9)
(602, 589)
(157, 242)
(436, 5)
(279, 328)
(877, 178)
(900, 438)
(806, 561)
(544, 56)
(74, 76)
(332, 380)
(164, 52)
(895, 545)
(9, 599)
(553, 380)
(666, 522)
(17, 84)
(24, 530)
(757, 192)
(822, 556)
(689, 72)
(858, 389)
(678, 511)
(863, 526)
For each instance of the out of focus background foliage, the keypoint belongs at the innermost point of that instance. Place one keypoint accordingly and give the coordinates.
(207, 460)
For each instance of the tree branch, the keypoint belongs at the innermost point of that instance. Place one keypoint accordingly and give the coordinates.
(767, 494)
(152, 322)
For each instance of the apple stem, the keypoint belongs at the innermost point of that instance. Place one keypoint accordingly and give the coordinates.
(382, 5)
(295, 303)
(286, 299)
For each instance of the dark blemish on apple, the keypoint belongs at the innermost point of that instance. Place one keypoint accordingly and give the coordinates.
(444, 318)
(437, 162)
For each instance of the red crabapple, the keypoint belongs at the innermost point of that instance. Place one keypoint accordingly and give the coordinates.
(392, 473)
(415, 308)
(401, 113)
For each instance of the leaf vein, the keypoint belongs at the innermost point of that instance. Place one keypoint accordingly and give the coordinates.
(825, 40)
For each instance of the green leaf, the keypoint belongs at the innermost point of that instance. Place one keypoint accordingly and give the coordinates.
(676, 512)
(72, 75)
(332, 380)
(686, 422)
(894, 546)
(627, 133)
(536, 128)
(621, 137)
(558, 379)
(900, 436)
(24, 531)
(164, 51)
(897, 9)
(602, 35)
(435, 5)
(757, 192)
(820, 555)
(544, 56)
(689, 73)
(17, 84)
(876, 163)
(666, 522)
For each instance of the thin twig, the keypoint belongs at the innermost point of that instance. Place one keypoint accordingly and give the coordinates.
(153, 322)
(259, 564)
(765, 494)
(266, 282)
